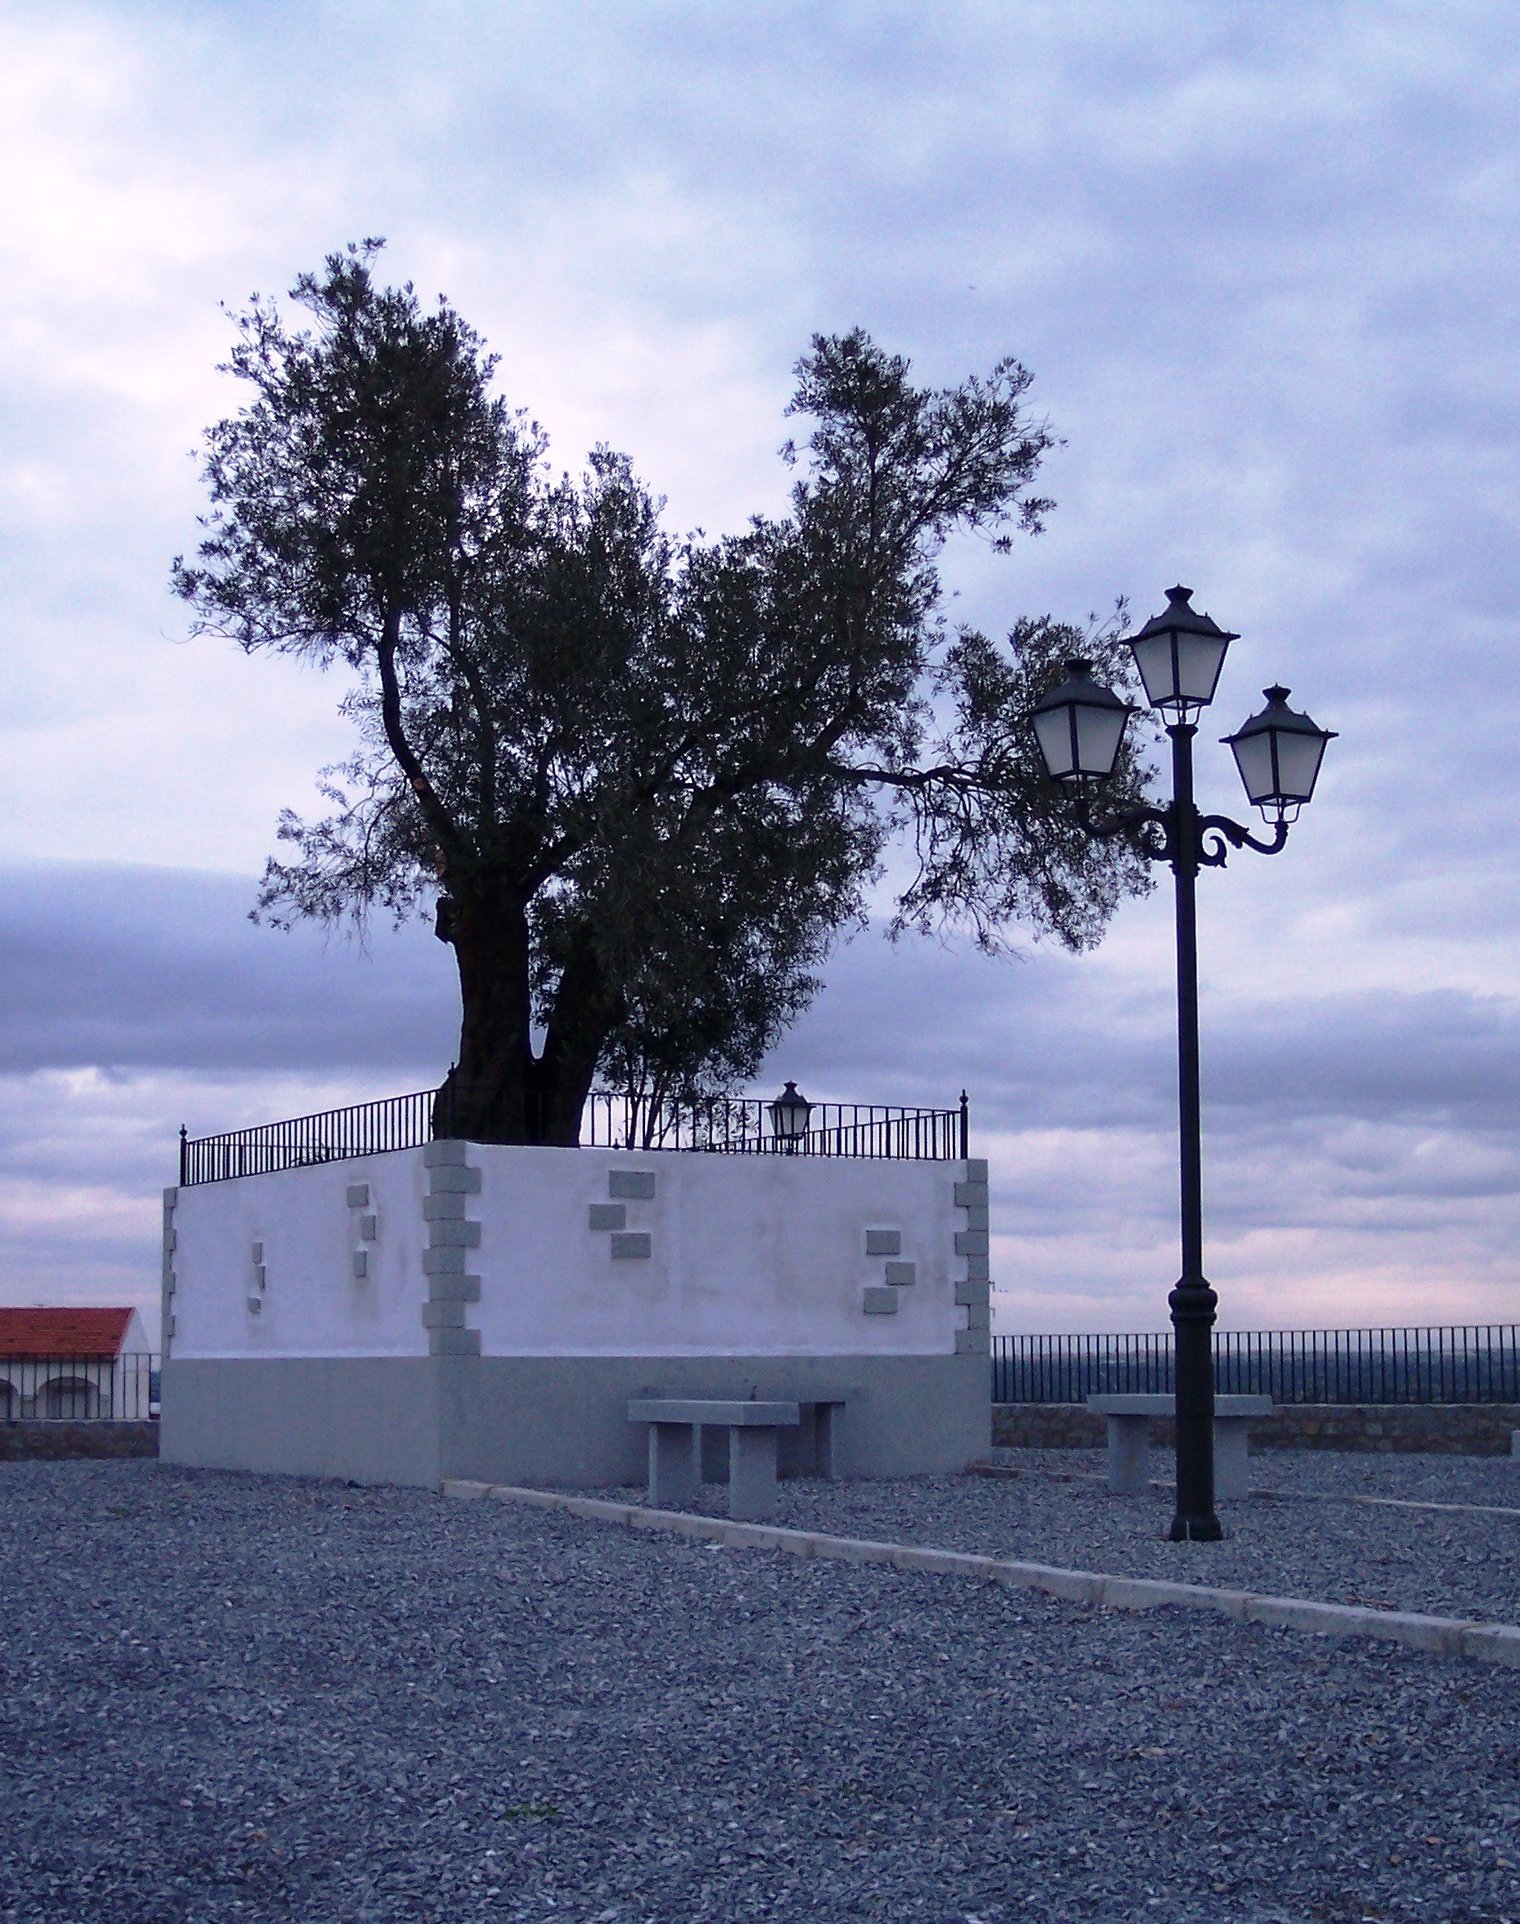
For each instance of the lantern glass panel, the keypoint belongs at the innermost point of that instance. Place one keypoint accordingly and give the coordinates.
(1253, 757)
(1298, 758)
(1053, 731)
(1179, 669)
(1099, 733)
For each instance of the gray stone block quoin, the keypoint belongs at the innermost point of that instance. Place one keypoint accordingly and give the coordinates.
(879, 1299)
(978, 1316)
(978, 1216)
(883, 1242)
(452, 1234)
(976, 1169)
(973, 1342)
(442, 1315)
(978, 1270)
(971, 1242)
(444, 1154)
(968, 1294)
(630, 1185)
(900, 1275)
(971, 1195)
(361, 1264)
(455, 1289)
(453, 1342)
(607, 1216)
(444, 1262)
(449, 1206)
(357, 1195)
(454, 1178)
(369, 1229)
(166, 1282)
(632, 1243)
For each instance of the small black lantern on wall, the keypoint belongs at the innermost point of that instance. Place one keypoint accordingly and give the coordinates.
(789, 1117)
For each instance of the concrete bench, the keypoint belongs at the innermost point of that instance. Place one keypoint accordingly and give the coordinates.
(1129, 1458)
(754, 1425)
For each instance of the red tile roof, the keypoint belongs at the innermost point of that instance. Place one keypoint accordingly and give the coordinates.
(62, 1332)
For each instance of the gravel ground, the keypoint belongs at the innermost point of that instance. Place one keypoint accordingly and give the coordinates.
(1058, 1510)
(229, 1697)
(1421, 1479)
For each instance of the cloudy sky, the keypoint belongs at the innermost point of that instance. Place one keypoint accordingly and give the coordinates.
(1262, 263)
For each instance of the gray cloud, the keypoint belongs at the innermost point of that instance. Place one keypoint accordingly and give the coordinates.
(136, 968)
(1262, 267)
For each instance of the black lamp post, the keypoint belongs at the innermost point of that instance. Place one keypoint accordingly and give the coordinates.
(1080, 726)
(789, 1117)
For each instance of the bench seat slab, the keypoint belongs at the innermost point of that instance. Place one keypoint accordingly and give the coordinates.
(690, 1409)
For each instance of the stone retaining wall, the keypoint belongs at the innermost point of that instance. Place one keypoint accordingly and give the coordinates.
(1447, 1429)
(55, 1441)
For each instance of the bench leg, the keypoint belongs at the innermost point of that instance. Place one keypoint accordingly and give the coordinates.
(1129, 1455)
(752, 1473)
(672, 1462)
(1232, 1475)
(823, 1439)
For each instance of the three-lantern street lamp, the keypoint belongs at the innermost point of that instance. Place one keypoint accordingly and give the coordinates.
(1080, 728)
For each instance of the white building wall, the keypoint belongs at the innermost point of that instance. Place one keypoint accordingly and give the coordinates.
(753, 1255)
(577, 1252)
(265, 1265)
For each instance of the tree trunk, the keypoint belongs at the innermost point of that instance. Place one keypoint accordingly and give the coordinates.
(583, 1012)
(489, 1095)
(499, 1091)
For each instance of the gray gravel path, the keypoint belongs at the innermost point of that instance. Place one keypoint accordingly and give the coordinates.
(232, 1697)
(1058, 1510)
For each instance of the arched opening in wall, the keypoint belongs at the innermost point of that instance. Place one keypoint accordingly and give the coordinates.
(68, 1399)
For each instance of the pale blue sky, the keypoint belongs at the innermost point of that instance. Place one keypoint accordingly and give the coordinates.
(1261, 262)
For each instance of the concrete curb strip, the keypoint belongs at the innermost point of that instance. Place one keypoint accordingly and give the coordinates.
(1445, 1636)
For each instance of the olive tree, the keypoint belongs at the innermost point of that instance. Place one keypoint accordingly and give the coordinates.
(640, 781)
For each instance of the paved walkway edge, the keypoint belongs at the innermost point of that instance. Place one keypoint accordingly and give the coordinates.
(1446, 1636)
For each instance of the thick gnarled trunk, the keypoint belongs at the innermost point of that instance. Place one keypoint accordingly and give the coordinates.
(499, 1090)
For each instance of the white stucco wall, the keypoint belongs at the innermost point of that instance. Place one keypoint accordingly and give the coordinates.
(746, 1255)
(757, 1255)
(311, 1303)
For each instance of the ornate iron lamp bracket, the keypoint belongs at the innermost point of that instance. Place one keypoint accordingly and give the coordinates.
(1149, 829)
(1225, 834)
(1153, 831)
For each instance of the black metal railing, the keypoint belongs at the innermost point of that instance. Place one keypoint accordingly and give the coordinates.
(1449, 1363)
(723, 1125)
(734, 1125)
(79, 1389)
(332, 1135)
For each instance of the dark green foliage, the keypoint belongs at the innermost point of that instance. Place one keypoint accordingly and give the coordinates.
(648, 780)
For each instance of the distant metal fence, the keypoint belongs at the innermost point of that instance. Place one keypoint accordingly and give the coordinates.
(724, 1125)
(79, 1389)
(1450, 1363)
